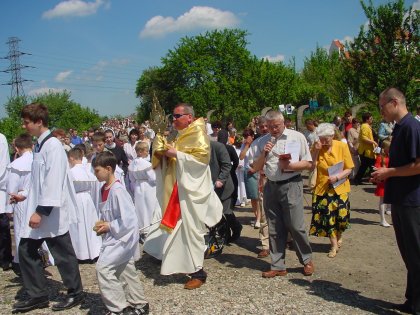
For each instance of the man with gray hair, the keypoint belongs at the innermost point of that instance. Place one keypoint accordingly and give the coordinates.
(284, 153)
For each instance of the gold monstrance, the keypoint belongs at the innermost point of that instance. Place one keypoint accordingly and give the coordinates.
(159, 123)
(158, 120)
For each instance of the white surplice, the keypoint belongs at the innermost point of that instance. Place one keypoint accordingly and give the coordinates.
(50, 186)
(85, 242)
(121, 243)
(4, 161)
(18, 182)
(143, 181)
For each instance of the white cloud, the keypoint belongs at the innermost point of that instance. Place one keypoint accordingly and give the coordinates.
(70, 8)
(276, 58)
(44, 90)
(346, 39)
(196, 18)
(416, 5)
(63, 75)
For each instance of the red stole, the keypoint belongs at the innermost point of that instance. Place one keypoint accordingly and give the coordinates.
(172, 212)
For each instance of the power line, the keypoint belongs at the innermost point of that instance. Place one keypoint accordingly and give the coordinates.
(15, 67)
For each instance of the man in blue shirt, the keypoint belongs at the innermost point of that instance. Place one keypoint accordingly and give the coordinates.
(75, 139)
(402, 189)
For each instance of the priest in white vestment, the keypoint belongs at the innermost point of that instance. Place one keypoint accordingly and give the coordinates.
(186, 197)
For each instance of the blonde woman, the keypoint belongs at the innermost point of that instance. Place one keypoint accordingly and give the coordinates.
(330, 203)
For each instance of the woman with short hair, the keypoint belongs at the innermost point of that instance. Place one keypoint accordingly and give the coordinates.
(330, 202)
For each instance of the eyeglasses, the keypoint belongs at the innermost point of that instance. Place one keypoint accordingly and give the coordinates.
(177, 116)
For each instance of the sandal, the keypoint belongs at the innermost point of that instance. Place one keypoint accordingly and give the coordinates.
(332, 253)
(340, 242)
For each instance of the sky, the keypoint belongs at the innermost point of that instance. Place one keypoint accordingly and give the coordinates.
(98, 49)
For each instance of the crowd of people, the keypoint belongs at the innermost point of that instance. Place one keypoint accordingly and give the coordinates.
(122, 184)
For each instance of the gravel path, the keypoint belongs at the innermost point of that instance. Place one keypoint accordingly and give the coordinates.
(365, 278)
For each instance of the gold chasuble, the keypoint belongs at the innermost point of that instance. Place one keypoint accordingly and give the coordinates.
(193, 141)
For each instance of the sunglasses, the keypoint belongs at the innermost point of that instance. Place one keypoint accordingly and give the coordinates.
(177, 116)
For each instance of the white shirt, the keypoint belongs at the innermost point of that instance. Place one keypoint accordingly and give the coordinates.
(271, 168)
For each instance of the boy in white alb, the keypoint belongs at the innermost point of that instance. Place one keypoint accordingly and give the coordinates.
(18, 182)
(143, 181)
(120, 287)
(85, 242)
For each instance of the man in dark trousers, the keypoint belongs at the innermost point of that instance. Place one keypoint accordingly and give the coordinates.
(51, 209)
(220, 167)
(402, 189)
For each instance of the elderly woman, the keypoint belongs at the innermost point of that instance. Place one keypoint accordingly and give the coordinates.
(330, 203)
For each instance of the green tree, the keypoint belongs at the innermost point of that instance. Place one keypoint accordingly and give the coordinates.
(63, 113)
(154, 80)
(11, 125)
(210, 71)
(216, 71)
(385, 53)
(322, 76)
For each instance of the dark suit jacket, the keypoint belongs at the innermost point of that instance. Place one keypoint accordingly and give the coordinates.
(220, 166)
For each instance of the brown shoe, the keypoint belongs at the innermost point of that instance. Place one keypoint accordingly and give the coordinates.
(274, 273)
(194, 283)
(263, 253)
(308, 269)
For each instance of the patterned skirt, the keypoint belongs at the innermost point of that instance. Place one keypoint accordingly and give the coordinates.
(330, 214)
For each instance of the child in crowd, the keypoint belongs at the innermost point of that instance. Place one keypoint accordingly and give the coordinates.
(382, 160)
(85, 242)
(98, 140)
(143, 179)
(120, 287)
(18, 182)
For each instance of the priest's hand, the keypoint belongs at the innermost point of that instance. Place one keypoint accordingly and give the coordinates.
(171, 152)
(35, 220)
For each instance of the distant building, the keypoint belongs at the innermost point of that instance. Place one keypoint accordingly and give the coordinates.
(336, 45)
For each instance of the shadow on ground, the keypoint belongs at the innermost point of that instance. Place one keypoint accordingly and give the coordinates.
(334, 292)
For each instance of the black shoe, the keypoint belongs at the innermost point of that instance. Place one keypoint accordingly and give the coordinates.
(16, 269)
(141, 309)
(236, 232)
(127, 311)
(31, 304)
(6, 266)
(69, 302)
(404, 308)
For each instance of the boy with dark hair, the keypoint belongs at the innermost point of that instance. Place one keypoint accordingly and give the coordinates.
(99, 146)
(51, 207)
(120, 287)
(18, 182)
